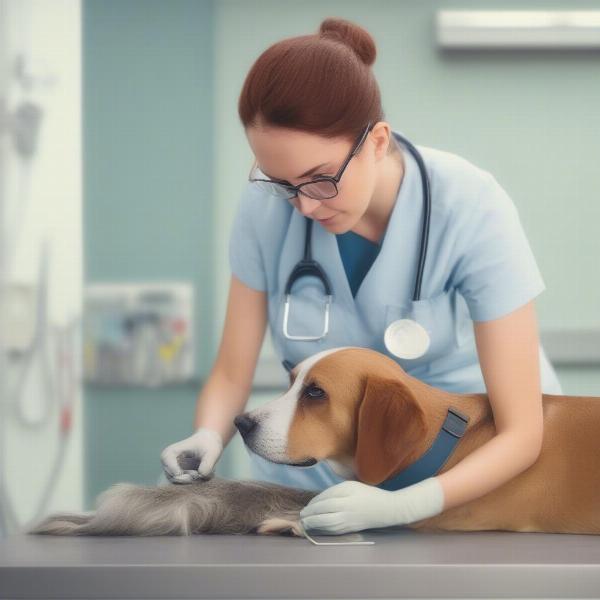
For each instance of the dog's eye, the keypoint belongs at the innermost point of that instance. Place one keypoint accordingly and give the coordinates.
(312, 391)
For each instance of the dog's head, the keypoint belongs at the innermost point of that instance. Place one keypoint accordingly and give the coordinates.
(353, 406)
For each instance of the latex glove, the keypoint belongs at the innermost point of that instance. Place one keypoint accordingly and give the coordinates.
(192, 458)
(353, 506)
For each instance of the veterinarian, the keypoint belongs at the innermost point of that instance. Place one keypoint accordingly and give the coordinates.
(310, 105)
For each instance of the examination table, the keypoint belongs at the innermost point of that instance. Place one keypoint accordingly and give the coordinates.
(401, 564)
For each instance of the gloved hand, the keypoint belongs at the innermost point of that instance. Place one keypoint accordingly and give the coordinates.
(353, 506)
(192, 458)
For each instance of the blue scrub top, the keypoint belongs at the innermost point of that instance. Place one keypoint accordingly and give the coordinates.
(479, 267)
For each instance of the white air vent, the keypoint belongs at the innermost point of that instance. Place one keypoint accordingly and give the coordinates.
(518, 29)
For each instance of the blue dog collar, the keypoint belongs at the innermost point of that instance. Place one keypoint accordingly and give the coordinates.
(434, 459)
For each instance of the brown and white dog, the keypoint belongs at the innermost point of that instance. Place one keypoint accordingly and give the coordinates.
(361, 412)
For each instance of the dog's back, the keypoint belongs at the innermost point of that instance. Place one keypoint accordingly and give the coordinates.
(567, 471)
(559, 493)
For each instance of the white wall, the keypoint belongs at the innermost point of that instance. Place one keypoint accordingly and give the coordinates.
(42, 200)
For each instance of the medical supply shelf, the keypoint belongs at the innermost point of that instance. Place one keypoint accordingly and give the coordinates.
(401, 564)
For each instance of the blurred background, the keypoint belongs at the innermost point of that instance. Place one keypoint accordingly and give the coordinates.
(121, 164)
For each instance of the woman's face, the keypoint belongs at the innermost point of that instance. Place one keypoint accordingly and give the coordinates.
(288, 154)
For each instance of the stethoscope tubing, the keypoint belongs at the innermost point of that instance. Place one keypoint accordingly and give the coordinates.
(426, 191)
(309, 266)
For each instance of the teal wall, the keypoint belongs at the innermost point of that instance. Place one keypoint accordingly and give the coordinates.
(148, 214)
(166, 158)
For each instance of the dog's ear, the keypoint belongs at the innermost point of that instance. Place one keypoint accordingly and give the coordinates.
(390, 425)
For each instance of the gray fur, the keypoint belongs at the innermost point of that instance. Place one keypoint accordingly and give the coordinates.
(216, 505)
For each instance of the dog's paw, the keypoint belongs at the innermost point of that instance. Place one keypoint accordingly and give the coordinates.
(276, 526)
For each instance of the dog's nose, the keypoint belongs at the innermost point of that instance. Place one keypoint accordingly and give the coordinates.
(244, 423)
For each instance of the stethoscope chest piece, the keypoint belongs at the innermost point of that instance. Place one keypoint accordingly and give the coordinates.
(405, 338)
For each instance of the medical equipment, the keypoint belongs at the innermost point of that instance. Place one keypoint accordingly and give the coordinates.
(405, 338)
(55, 387)
(138, 334)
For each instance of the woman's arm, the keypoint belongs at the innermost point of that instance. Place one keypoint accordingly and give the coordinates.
(508, 350)
(229, 384)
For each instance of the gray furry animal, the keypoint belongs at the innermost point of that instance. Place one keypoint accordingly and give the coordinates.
(214, 505)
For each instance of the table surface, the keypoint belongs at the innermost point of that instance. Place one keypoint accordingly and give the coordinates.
(402, 564)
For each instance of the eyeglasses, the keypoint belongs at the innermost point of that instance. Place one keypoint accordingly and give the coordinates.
(321, 187)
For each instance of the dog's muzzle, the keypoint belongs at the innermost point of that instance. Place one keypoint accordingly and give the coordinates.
(247, 426)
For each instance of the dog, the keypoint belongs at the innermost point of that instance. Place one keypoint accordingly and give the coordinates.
(359, 411)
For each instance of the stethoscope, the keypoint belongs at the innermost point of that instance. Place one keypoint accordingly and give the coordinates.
(405, 338)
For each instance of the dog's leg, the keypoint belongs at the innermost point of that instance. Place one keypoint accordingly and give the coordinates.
(278, 525)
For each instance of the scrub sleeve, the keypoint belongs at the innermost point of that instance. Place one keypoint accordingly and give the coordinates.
(494, 267)
(245, 259)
